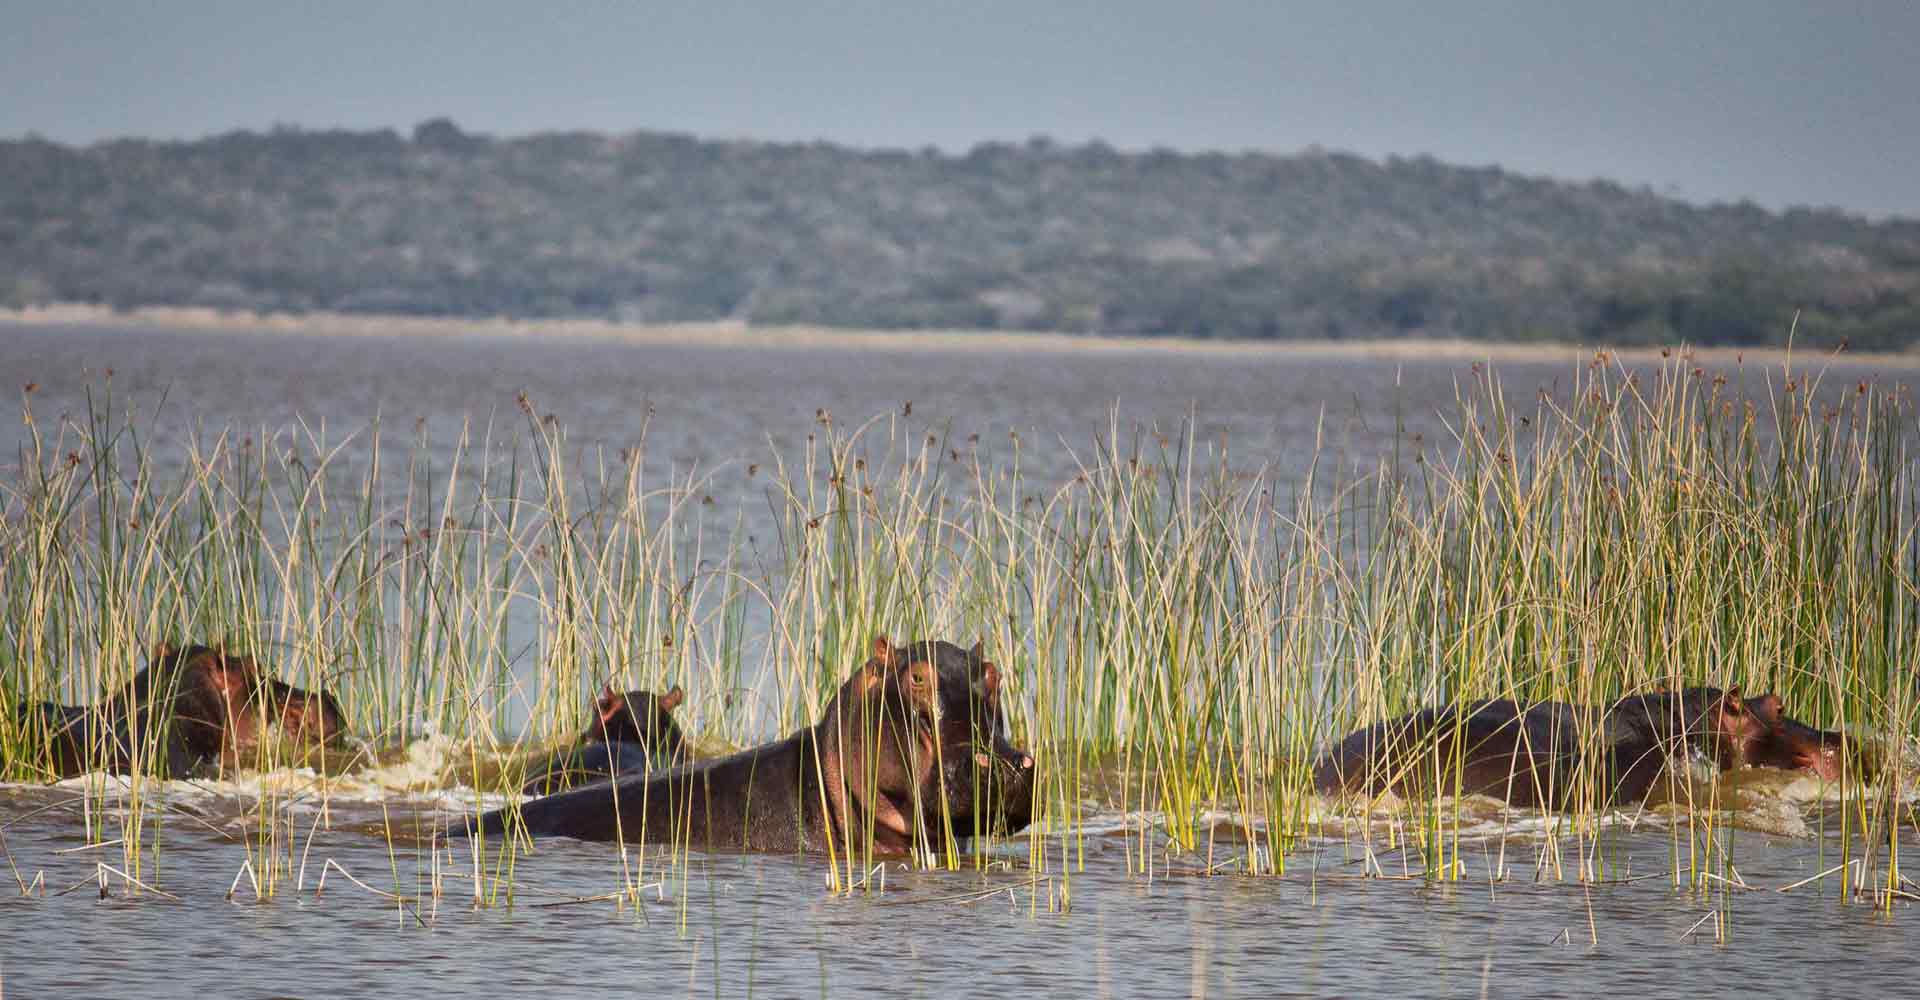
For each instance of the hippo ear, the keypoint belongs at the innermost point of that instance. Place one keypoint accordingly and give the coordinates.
(609, 703)
(672, 699)
(990, 678)
(226, 680)
(886, 657)
(979, 650)
(1729, 714)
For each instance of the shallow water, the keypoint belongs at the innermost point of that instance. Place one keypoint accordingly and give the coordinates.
(734, 926)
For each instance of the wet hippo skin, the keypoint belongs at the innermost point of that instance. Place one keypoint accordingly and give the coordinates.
(1535, 755)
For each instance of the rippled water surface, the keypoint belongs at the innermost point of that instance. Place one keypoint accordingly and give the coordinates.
(738, 926)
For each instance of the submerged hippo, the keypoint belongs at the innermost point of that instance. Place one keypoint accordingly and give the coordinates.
(79, 738)
(631, 733)
(185, 709)
(911, 750)
(1533, 756)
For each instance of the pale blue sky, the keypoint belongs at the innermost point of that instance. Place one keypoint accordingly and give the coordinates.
(1782, 102)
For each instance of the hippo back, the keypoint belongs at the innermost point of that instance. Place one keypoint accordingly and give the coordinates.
(591, 763)
(1525, 755)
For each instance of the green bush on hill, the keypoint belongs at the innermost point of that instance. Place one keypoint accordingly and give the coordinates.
(659, 227)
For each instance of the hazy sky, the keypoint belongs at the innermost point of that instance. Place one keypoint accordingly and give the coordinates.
(1785, 103)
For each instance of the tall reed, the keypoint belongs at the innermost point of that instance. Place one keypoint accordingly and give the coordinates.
(1181, 626)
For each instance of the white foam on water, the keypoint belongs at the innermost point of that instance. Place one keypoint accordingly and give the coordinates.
(435, 772)
(422, 775)
(1775, 802)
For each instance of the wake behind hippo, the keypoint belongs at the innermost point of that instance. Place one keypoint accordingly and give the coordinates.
(1551, 753)
(911, 749)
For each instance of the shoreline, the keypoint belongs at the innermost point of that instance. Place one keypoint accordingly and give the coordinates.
(739, 334)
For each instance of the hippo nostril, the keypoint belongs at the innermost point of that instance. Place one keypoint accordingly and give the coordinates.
(983, 760)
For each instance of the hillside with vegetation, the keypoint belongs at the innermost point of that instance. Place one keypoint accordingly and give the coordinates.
(661, 227)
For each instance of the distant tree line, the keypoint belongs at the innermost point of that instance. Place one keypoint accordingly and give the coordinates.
(652, 227)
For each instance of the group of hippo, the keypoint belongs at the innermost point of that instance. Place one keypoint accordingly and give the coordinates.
(911, 752)
(914, 742)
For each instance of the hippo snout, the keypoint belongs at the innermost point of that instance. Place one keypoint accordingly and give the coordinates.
(1017, 770)
(1824, 762)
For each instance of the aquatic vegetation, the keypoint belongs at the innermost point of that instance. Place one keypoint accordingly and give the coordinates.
(1179, 628)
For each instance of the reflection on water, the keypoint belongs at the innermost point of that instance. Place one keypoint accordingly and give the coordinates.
(733, 926)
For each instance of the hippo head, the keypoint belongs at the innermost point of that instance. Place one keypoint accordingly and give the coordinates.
(642, 718)
(1788, 743)
(227, 702)
(923, 745)
(309, 718)
(1718, 721)
(210, 697)
(987, 782)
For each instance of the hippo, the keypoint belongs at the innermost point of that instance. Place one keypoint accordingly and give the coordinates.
(76, 735)
(1792, 745)
(910, 751)
(207, 707)
(631, 733)
(1533, 755)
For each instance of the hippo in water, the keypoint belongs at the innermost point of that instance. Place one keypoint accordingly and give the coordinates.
(910, 751)
(79, 738)
(187, 708)
(631, 733)
(1535, 755)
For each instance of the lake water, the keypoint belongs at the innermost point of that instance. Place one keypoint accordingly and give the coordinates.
(742, 926)
(724, 407)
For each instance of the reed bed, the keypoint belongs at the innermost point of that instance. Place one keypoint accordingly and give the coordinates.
(1182, 626)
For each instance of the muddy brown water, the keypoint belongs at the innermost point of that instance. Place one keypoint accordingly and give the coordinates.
(766, 926)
